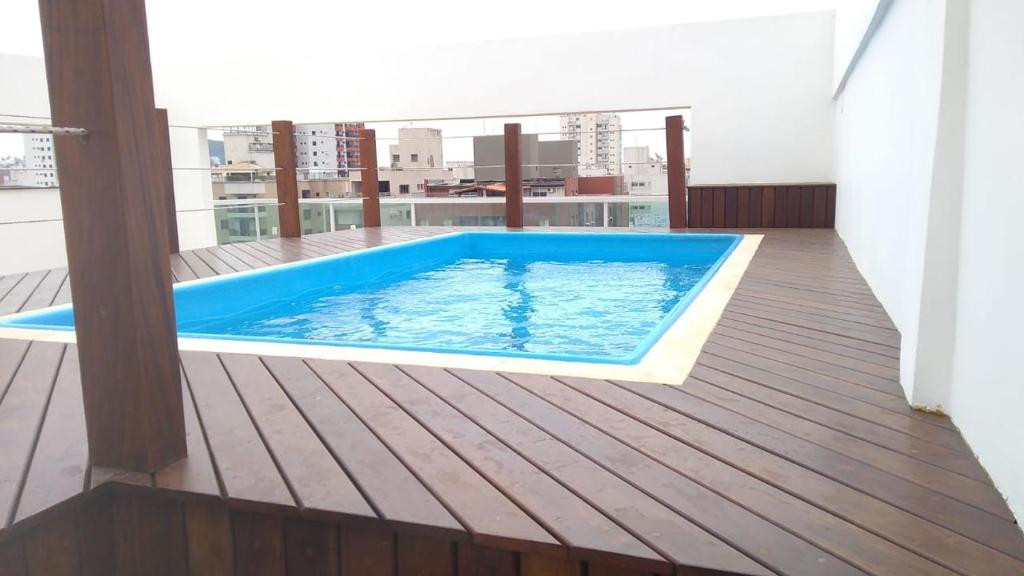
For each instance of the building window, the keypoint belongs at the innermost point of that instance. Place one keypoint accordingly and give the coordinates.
(414, 157)
(396, 158)
(403, 188)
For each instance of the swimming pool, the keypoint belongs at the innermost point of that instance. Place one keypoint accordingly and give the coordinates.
(577, 297)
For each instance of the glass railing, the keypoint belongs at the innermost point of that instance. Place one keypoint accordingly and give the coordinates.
(257, 219)
(246, 220)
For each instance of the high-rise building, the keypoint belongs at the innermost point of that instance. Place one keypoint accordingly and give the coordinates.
(599, 139)
(40, 171)
(326, 151)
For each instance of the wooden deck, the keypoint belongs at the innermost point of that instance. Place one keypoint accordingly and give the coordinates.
(789, 450)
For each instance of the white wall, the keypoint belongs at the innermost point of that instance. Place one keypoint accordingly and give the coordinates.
(928, 158)
(36, 246)
(886, 131)
(856, 22)
(988, 387)
(760, 88)
(193, 189)
(31, 246)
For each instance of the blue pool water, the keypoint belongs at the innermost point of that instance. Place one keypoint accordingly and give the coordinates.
(569, 296)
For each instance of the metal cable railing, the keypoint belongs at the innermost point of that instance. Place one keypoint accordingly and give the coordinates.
(185, 211)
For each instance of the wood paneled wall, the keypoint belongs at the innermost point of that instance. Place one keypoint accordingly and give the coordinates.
(126, 532)
(762, 206)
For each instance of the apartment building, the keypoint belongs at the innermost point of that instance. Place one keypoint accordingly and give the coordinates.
(39, 170)
(643, 174)
(415, 161)
(541, 159)
(599, 139)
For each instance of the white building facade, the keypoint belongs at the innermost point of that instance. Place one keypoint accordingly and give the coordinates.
(316, 151)
(249, 144)
(599, 142)
(39, 171)
(417, 159)
(643, 175)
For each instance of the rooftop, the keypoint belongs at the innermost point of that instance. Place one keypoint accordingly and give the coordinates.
(789, 449)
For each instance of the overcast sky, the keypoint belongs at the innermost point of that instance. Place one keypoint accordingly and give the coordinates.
(316, 26)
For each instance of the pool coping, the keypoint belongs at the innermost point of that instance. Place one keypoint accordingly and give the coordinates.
(668, 361)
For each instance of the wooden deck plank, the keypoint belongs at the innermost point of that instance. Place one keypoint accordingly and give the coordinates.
(8, 282)
(394, 492)
(180, 270)
(897, 417)
(63, 295)
(841, 421)
(898, 482)
(215, 262)
(850, 543)
(247, 471)
(318, 482)
(243, 256)
(46, 292)
(845, 368)
(808, 338)
(22, 410)
(21, 292)
(772, 546)
(491, 518)
(196, 265)
(802, 369)
(12, 353)
(951, 549)
(588, 532)
(689, 546)
(809, 300)
(61, 458)
(195, 474)
(226, 258)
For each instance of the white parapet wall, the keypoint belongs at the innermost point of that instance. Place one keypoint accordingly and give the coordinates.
(928, 151)
(759, 88)
(39, 242)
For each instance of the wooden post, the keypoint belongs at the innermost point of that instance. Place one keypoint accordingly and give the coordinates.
(287, 187)
(166, 178)
(99, 76)
(369, 186)
(676, 172)
(513, 177)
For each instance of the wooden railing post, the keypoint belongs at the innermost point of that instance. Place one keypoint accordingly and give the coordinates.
(676, 171)
(513, 177)
(165, 178)
(287, 186)
(368, 178)
(100, 79)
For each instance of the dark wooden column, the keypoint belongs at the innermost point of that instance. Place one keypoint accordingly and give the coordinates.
(165, 178)
(287, 186)
(676, 172)
(368, 178)
(99, 76)
(513, 177)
